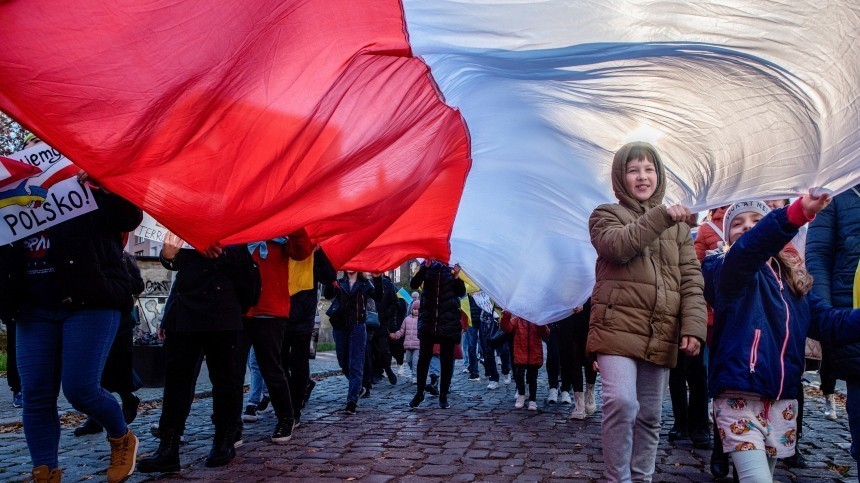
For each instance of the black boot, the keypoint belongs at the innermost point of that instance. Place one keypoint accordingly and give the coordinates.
(166, 457)
(719, 460)
(90, 426)
(432, 387)
(223, 447)
(130, 403)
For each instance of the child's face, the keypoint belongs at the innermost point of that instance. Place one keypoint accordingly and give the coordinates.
(641, 178)
(415, 312)
(741, 224)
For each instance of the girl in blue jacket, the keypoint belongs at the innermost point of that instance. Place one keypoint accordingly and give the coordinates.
(762, 316)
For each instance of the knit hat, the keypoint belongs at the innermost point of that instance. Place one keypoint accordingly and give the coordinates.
(416, 304)
(742, 207)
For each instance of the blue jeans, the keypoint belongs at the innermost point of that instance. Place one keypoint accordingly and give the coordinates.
(491, 370)
(258, 385)
(470, 351)
(349, 345)
(68, 347)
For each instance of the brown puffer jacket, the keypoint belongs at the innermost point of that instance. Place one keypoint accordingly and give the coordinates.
(649, 285)
(528, 339)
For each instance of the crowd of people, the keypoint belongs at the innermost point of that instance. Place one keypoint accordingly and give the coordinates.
(721, 319)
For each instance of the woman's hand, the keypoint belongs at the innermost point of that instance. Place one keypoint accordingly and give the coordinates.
(455, 271)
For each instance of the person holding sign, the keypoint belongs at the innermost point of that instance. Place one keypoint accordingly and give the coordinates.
(68, 286)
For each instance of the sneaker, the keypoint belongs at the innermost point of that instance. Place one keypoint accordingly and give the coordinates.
(474, 377)
(532, 406)
(493, 385)
(521, 401)
(264, 403)
(401, 370)
(414, 380)
(123, 456)
(17, 400)
(350, 408)
(465, 369)
(283, 431)
(250, 414)
(552, 398)
(565, 398)
(443, 402)
(416, 401)
(830, 408)
(507, 379)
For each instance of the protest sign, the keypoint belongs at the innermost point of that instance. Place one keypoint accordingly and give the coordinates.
(42, 197)
(483, 301)
(151, 229)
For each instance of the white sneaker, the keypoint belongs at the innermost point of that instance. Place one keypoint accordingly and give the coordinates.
(532, 406)
(517, 395)
(507, 379)
(493, 385)
(552, 398)
(521, 401)
(830, 408)
(414, 380)
(401, 370)
(590, 405)
(466, 369)
(565, 397)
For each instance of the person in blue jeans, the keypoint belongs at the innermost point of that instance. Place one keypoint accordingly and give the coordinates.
(258, 393)
(67, 287)
(347, 315)
(491, 369)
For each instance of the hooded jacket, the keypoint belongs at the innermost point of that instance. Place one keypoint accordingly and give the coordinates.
(528, 339)
(648, 289)
(760, 326)
(440, 301)
(707, 238)
(409, 329)
(832, 255)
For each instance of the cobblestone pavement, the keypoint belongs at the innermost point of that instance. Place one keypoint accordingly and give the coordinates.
(480, 438)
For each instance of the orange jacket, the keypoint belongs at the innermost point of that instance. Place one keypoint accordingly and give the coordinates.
(528, 338)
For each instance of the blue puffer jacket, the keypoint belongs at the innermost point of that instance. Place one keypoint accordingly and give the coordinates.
(832, 254)
(760, 327)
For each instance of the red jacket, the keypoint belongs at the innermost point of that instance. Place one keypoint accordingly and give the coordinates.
(274, 270)
(528, 339)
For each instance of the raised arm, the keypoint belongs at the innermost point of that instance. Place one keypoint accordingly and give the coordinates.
(618, 242)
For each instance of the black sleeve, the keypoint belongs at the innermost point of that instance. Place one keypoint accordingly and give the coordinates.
(418, 279)
(116, 213)
(324, 271)
(137, 285)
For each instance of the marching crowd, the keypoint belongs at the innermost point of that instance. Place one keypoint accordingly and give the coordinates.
(721, 320)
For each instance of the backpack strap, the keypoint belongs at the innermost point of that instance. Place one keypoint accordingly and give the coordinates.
(716, 229)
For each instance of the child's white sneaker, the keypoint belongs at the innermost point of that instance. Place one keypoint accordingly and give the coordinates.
(532, 406)
(507, 379)
(493, 385)
(565, 397)
(552, 398)
(521, 401)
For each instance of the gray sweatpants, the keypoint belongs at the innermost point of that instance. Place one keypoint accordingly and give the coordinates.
(632, 404)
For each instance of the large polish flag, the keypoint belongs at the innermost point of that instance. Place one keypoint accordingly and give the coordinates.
(475, 131)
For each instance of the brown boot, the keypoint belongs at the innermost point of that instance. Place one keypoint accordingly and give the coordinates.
(41, 474)
(123, 452)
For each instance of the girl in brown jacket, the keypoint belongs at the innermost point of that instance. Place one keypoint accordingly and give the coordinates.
(528, 355)
(647, 305)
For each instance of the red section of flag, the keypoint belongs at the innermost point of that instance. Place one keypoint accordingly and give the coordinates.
(246, 121)
(16, 170)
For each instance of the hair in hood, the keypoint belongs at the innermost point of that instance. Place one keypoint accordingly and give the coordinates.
(629, 152)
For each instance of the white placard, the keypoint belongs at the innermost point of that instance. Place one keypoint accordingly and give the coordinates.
(43, 200)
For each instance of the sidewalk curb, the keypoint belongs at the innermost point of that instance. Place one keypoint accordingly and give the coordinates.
(205, 393)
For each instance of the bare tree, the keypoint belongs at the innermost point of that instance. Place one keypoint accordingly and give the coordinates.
(11, 135)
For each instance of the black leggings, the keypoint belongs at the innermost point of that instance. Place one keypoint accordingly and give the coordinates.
(523, 373)
(446, 361)
(580, 363)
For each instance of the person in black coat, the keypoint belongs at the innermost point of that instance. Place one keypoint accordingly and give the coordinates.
(385, 296)
(202, 316)
(439, 322)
